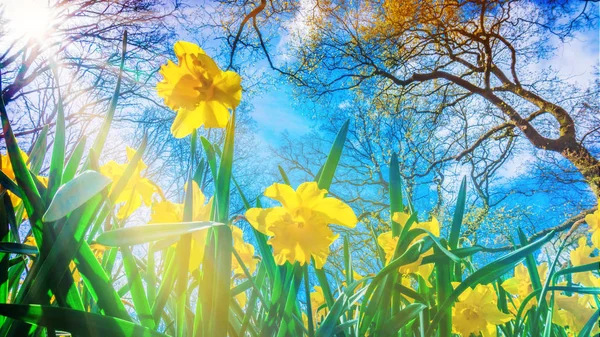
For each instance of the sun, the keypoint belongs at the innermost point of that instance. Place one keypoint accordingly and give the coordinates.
(29, 19)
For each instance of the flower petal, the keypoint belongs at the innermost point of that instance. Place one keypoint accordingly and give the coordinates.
(186, 121)
(178, 88)
(263, 218)
(310, 193)
(166, 212)
(182, 48)
(298, 244)
(214, 114)
(283, 193)
(228, 89)
(334, 211)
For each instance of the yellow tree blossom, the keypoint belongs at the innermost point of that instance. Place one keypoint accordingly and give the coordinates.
(169, 212)
(476, 312)
(198, 90)
(388, 243)
(574, 312)
(521, 286)
(593, 221)
(138, 189)
(580, 256)
(299, 227)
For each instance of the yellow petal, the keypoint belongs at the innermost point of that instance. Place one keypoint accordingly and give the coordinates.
(228, 89)
(388, 243)
(202, 213)
(400, 218)
(283, 193)
(334, 211)
(182, 48)
(197, 249)
(146, 190)
(202, 65)
(310, 194)
(129, 207)
(299, 244)
(166, 212)
(596, 238)
(186, 122)
(215, 114)
(511, 285)
(262, 218)
(178, 88)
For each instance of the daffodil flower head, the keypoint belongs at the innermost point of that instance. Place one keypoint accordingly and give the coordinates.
(138, 189)
(520, 285)
(593, 221)
(198, 90)
(476, 312)
(580, 256)
(317, 299)
(169, 212)
(299, 227)
(574, 312)
(388, 243)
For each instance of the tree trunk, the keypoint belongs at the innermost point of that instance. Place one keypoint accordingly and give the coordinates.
(585, 162)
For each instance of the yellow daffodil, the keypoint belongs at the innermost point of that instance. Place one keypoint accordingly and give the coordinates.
(98, 250)
(7, 168)
(198, 90)
(138, 189)
(581, 256)
(574, 312)
(593, 221)
(299, 227)
(169, 212)
(305, 320)
(241, 299)
(521, 286)
(317, 299)
(476, 312)
(388, 243)
(245, 251)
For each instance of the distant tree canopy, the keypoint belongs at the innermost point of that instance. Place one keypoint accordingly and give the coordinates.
(428, 57)
(439, 83)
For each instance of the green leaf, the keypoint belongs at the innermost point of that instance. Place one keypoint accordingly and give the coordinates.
(400, 319)
(136, 235)
(103, 133)
(136, 288)
(58, 151)
(74, 321)
(395, 193)
(75, 193)
(328, 171)
(38, 152)
(18, 248)
(74, 161)
(459, 212)
(10, 185)
(590, 325)
(284, 176)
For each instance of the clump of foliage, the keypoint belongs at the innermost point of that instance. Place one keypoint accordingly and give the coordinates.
(80, 269)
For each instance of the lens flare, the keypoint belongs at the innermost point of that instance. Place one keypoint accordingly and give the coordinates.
(30, 19)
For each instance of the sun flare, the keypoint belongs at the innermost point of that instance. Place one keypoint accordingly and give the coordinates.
(29, 19)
